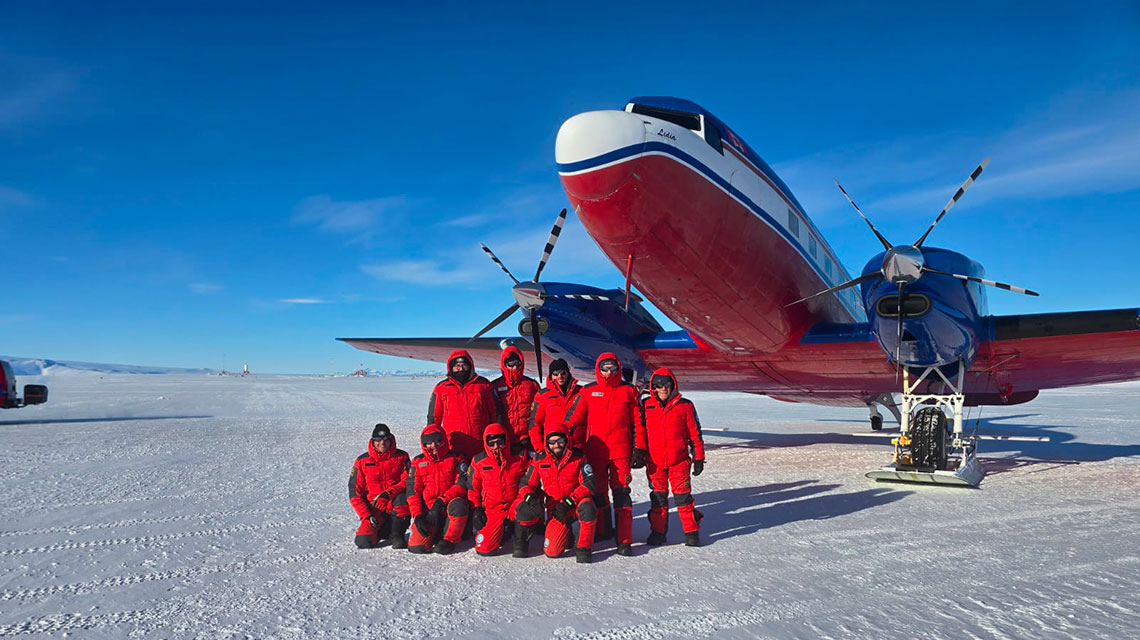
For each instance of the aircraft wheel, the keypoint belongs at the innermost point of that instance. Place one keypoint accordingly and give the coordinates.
(929, 446)
(876, 423)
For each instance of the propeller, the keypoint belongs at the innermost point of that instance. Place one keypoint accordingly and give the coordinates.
(529, 296)
(904, 264)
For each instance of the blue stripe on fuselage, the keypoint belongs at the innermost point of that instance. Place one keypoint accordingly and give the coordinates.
(653, 146)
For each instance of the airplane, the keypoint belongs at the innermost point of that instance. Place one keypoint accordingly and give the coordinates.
(708, 232)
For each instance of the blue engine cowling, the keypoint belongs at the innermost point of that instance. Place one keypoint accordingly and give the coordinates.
(941, 314)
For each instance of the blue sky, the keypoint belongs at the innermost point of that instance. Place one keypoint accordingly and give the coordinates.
(182, 183)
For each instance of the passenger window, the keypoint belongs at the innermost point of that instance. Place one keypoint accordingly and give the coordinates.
(827, 266)
(811, 245)
(793, 223)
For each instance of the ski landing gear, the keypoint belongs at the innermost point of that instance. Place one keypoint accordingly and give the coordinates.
(927, 449)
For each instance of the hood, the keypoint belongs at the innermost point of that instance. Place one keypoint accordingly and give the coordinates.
(492, 429)
(375, 453)
(512, 376)
(461, 353)
(560, 428)
(611, 382)
(669, 374)
(431, 428)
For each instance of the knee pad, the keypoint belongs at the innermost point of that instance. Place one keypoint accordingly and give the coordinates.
(587, 511)
(622, 499)
(658, 500)
(529, 511)
(457, 507)
(682, 499)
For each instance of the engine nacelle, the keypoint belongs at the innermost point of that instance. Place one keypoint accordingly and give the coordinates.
(941, 315)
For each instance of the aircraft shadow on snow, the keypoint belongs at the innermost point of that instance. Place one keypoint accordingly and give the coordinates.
(5, 423)
(999, 456)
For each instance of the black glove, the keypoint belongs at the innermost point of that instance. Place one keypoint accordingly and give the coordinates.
(562, 510)
(422, 525)
(375, 525)
(479, 518)
(698, 467)
(436, 512)
(638, 460)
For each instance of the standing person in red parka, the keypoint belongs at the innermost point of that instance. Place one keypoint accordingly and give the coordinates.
(463, 404)
(515, 392)
(376, 491)
(495, 476)
(614, 429)
(436, 494)
(674, 435)
(563, 474)
(555, 405)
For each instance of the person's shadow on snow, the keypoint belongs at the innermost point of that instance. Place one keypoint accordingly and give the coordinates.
(741, 511)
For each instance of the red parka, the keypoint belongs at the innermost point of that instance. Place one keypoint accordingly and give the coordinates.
(516, 392)
(570, 476)
(612, 411)
(556, 405)
(441, 478)
(672, 427)
(495, 480)
(463, 409)
(374, 473)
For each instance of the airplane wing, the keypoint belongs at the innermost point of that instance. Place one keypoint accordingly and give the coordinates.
(485, 351)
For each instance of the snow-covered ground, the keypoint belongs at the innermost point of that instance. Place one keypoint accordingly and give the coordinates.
(197, 506)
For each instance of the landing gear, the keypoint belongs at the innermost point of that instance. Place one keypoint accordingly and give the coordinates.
(927, 449)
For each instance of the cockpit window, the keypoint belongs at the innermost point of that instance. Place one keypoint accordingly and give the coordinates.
(690, 121)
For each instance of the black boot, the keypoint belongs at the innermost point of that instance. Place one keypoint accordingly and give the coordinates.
(584, 555)
(656, 538)
(605, 520)
(522, 537)
(624, 549)
(444, 547)
(693, 539)
(399, 530)
(363, 542)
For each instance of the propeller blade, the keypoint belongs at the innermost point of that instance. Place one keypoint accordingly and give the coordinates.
(537, 339)
(954, 200)
(499, 262)
(494, 323)
(550, 243)
(886, 245)
(845, 285)
(992, 283)
(898, 345)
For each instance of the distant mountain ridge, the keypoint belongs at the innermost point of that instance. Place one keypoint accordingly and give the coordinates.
(46, 367)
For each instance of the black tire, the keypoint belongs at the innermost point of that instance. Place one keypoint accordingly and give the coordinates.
(928, 444)
(876, 423)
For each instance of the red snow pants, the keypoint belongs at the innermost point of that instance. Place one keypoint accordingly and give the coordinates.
(660, 480)
(616, 472)
(490, 538)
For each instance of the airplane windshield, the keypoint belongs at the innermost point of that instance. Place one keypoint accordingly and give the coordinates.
(690, 121)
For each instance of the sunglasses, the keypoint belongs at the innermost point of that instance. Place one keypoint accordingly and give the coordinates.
(662, 384)
(514, 364)
(609, 367)
(556, 440)
(496, 441)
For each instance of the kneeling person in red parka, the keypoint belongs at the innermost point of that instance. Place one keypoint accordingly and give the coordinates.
(436, 494)
(568, 481)
(376, 491)
(495, 476)
(674, 434)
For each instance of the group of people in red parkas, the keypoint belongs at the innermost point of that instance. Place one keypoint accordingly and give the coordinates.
(504, 458)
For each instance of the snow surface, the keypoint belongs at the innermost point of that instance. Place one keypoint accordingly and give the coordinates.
(198, 506)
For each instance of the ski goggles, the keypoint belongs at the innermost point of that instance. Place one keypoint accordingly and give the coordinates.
(513, 363)
(661, 382)
(435, 437)
(608, 365)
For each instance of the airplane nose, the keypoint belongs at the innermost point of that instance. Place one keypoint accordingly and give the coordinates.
(588, 142)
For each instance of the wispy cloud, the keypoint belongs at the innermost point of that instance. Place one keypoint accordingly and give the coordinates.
(425, 272)
(1082, 143)
(204, 287)
(361, 218)
(304, 301)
